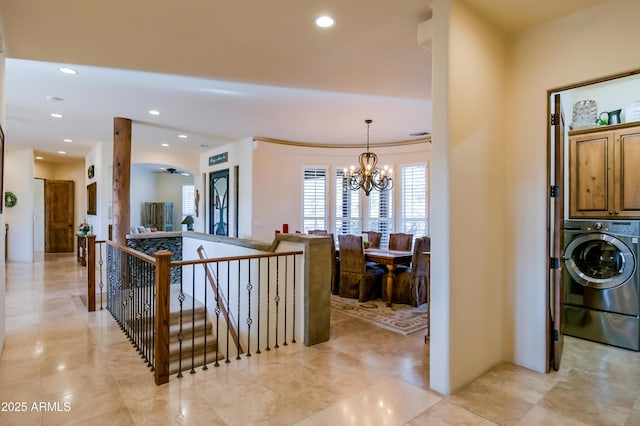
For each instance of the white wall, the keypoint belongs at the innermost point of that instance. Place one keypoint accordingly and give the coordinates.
(169, 190)
(278, 171)
(71, 170)
(536, 66)
(143, 188)
(38, 215)
(18, 178)
(468, 333)
(240, 153)
(2, 216)
(609, 96)
(101, 158)
(182, 160)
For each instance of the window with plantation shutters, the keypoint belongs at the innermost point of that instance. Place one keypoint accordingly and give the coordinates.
(347, 214)
(413, 209)
(380, 214)
(314, 199)
(188, 200)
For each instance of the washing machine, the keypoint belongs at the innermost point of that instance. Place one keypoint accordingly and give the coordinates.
(602, 281)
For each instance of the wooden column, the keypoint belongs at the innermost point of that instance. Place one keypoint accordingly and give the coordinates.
(121, 179)
(161, 341)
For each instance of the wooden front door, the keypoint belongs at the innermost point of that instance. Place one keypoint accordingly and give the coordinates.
(59, 220)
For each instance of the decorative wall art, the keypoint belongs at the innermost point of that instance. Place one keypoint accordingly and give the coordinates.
(92, 199)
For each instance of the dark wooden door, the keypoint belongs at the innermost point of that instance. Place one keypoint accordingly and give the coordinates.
(59, 221)
(557, 234)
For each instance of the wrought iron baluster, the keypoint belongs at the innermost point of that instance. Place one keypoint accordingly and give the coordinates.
(228, 319)
(286, 294)
(277, 298)
(180, 330)
(193, 324)
(293, 337)
(206, 316)
(218, 310)
(238, 315)
(101, 284)
(259, 297)
(249, 320)
(268, 300)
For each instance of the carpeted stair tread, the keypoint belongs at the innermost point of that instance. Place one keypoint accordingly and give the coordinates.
(198, 363)
(198, 347)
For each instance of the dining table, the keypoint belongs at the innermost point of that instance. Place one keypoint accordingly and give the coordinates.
(390, 259)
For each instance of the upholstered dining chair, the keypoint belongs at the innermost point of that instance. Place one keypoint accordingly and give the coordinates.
(373, 238)
(412, 284)
(400, 241)
(357, 279)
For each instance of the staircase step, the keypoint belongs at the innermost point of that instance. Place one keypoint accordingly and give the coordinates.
(198, 347)
(200, 327)
(198, 362)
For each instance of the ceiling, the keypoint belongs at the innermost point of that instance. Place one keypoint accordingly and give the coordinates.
(220, 71)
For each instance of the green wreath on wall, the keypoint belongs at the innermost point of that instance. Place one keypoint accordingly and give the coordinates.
(10, 199)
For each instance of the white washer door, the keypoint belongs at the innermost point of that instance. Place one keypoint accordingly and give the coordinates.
(599, 261)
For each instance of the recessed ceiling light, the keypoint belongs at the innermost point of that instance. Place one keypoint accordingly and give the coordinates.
(67, 70)
(202, 145)
(39, 158)
(68, 140)
(154, 112)
(325, 21)
(56, 115)
(61, 152)
(54, 99)
(182, 136)
(165, 144)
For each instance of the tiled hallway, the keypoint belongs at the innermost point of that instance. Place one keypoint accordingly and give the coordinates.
(81, 363)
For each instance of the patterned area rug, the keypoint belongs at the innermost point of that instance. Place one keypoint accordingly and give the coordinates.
(403, 319)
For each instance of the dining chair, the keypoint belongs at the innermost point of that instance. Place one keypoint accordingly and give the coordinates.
(400, 241)
(412, 284)
(357, 279)
(373, 238)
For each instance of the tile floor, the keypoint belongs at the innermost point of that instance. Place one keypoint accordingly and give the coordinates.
(81, 364)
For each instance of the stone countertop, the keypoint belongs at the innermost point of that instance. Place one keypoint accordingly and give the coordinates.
(157, 234)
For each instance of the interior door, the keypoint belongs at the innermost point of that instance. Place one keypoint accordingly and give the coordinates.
(219, 199)
(59, 221)
(556, 234)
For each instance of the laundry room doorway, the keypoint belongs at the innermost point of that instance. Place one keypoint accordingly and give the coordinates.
(601, 104)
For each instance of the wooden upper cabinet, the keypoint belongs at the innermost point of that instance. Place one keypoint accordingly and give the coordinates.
(603, 182)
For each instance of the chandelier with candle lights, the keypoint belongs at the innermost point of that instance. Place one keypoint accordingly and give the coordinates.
(368, 177)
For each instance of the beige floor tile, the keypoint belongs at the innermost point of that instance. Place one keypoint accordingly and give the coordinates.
(388, 402)
(55, 351)
(445, 413)
(490, 400)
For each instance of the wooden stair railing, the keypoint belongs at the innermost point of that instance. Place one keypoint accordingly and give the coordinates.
(218, 293)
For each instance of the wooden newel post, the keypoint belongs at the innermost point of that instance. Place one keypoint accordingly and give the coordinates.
(163, 281)
(121, 179)
(91, 272)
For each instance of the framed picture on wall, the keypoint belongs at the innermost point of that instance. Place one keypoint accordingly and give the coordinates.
(1, 167)
(92, 199)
